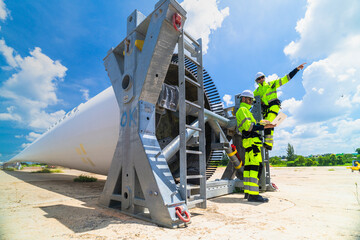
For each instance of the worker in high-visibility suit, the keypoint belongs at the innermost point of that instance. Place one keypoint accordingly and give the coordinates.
(270, 104)
(251, 142)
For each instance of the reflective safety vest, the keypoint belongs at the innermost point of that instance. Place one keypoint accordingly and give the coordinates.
(245, 123)
(267, 91)
(245, 119)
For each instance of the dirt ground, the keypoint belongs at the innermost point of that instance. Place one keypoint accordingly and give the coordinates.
(312, 203)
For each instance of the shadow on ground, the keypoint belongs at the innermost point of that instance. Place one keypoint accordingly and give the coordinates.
(89, 216)
(234, 200)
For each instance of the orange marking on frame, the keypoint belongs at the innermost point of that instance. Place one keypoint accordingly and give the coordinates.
(82, 148)
(78, 151)
(91, 162)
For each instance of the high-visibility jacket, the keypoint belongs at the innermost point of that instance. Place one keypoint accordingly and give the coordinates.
(267, 91)
(245, 119)
(246, 122)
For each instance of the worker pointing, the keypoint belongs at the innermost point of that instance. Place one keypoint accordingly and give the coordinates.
(270, 104)
(248, 127)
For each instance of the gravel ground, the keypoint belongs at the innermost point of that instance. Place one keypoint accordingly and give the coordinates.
(312, 203)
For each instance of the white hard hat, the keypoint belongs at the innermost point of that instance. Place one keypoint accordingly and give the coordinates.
(247, 93)
(259, 74)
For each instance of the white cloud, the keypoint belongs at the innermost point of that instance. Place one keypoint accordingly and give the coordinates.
(272, 77)
(4, 12)
(31, 89)
(290, 105)
(333, 136)
(326, 118)
(356, 97)
(10, 115)
(85, 93)
(326, 25)
(331, 85)
(24, 145)
(203, 17)
(32, 136)
(19, 136)
(227, 99)
(9, 53)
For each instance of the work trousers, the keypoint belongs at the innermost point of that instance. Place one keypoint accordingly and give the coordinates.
(252, 167)
(270, 115)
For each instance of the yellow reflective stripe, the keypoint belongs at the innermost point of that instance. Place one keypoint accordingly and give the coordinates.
(232, 154)
(238, 167)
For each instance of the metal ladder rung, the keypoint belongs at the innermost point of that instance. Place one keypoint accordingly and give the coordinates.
(195, 197)
(190, 187)
(194, 202)
(191, 48)
(212, 168)
(193, 128)
(191, 39)
(116, 197)
(192, 82)
(192, 60)
(193, 152)
(194, 176)
(192, 104)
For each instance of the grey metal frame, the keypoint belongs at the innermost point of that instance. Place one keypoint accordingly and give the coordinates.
(139, 181)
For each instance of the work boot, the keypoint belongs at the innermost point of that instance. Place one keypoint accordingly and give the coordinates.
(257, 198)
(246, 196)
(269, 148)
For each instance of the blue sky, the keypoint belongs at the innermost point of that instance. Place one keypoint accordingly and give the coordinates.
(51, 61)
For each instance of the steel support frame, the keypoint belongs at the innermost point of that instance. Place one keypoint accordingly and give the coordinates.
(139, 181)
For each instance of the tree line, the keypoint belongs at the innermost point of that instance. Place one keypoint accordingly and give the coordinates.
(320, 160)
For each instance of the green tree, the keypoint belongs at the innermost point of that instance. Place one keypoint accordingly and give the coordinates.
(300, 161)
(332, 160)
(358, 150)
(290, 164)
(324, 160)
(290, 153)
(311, 162)
(339, 160)
(275, 160)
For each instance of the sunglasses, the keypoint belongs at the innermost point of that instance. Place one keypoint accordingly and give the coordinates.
(259, 78)
(251, 99)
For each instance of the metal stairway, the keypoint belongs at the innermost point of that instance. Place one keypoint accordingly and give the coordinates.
(186, 42)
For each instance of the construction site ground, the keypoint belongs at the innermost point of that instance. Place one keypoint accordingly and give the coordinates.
(312, 203)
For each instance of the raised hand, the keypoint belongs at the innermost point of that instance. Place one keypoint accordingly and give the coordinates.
(301, 66)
